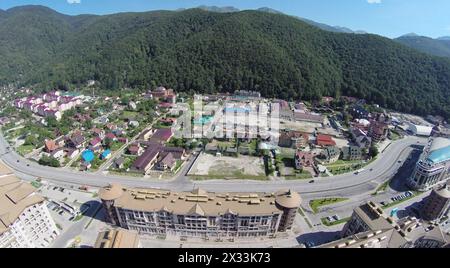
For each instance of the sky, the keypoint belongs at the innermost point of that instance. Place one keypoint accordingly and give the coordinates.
(390, 18)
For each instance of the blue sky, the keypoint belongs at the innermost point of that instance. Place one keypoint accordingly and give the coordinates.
(390, 18)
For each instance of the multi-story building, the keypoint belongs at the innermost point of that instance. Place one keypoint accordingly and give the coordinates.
(371, 227)
(352, 153)
(25, 221)
(437, 204)
(433, 166)
(200, 213)
(378, 131)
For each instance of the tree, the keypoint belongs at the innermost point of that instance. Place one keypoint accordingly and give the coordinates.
(373, 151)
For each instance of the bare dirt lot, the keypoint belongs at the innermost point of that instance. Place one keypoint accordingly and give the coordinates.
(210, 165)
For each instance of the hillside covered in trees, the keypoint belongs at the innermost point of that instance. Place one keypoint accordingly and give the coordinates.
(208, 52)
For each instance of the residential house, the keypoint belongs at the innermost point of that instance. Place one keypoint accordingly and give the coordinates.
(352, 153)
(147, 134)
(106, 154)
(162, 135)
(135, 149)
(293, 139)
(50, 146)
(122, 140)
(58, 153)
(72, 153)
(76, 141)
(111, 136)
(98, 133)
(378, 131)
(146, 161)
(118, 163)
(303, 159)
(331, 154)
(167, 163)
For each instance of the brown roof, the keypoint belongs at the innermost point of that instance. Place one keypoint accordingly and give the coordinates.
(50, 145)
(119, 238)
(288, 199)
(200, 202)
(15, 197)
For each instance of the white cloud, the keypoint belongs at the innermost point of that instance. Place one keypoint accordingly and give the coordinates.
(74, 1)
(374, 1)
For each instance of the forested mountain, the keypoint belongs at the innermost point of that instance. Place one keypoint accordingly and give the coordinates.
(207, 52)
(437, 47)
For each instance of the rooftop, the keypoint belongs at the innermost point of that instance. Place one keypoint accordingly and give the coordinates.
(199, 201)
(119, 238)
(15, 197)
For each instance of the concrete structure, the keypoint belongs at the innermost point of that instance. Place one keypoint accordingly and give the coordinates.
(200, 213)
(117, 238)
(437, 204)
(352, 153)
(433, 166)
(25, 221)
(371, 227)
(303, 159)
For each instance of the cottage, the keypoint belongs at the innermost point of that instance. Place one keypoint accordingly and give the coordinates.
(50, 146)
(167, 163)
(293, 139)
(122, 140)
(106, 154)
(119, 163)
(58, 153)
(331, 154)
(98, 132)
(76, 141)
(72, 153)
(111, 136)
(352, 153)
(303, 159)
(135, 149)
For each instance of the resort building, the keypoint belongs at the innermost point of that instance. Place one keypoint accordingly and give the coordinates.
(437, 204)
(200, 213)
(433, 166)
(25, 221)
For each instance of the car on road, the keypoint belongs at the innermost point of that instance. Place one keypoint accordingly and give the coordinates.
(311, 181)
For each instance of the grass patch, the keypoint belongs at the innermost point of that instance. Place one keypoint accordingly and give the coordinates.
(25, 149)
(36, 184)
(300, 211)
(382, 187)
(78, 217)
(325, 221)
(401, 201)
(300, 175)
(315, 204)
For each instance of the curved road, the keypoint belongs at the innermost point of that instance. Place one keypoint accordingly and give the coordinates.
(384, 167)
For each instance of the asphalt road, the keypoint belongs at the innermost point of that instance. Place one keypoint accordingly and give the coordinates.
(383, 168)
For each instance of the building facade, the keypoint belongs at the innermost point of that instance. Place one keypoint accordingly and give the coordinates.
(433, 166)
(437, 204)
(200, 213)
(25, 221)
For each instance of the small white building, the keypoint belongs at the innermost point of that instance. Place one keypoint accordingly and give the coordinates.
(420, 130)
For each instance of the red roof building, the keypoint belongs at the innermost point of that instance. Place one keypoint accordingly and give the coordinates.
(324, 140)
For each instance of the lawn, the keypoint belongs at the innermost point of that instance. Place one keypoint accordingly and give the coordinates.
(325, 221)
(25, 149)
(315, 204)
(382, 187)
(300, 175)
(401, 201)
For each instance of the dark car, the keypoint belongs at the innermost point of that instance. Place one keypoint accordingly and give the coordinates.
(311, 181)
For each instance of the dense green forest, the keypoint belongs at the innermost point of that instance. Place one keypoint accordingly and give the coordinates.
(208, 52)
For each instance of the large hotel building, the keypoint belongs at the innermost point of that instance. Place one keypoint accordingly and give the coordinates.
(25, 221)
(200, 213)
(433, 166)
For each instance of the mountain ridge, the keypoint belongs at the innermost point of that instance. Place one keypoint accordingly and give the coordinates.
(206, 52)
